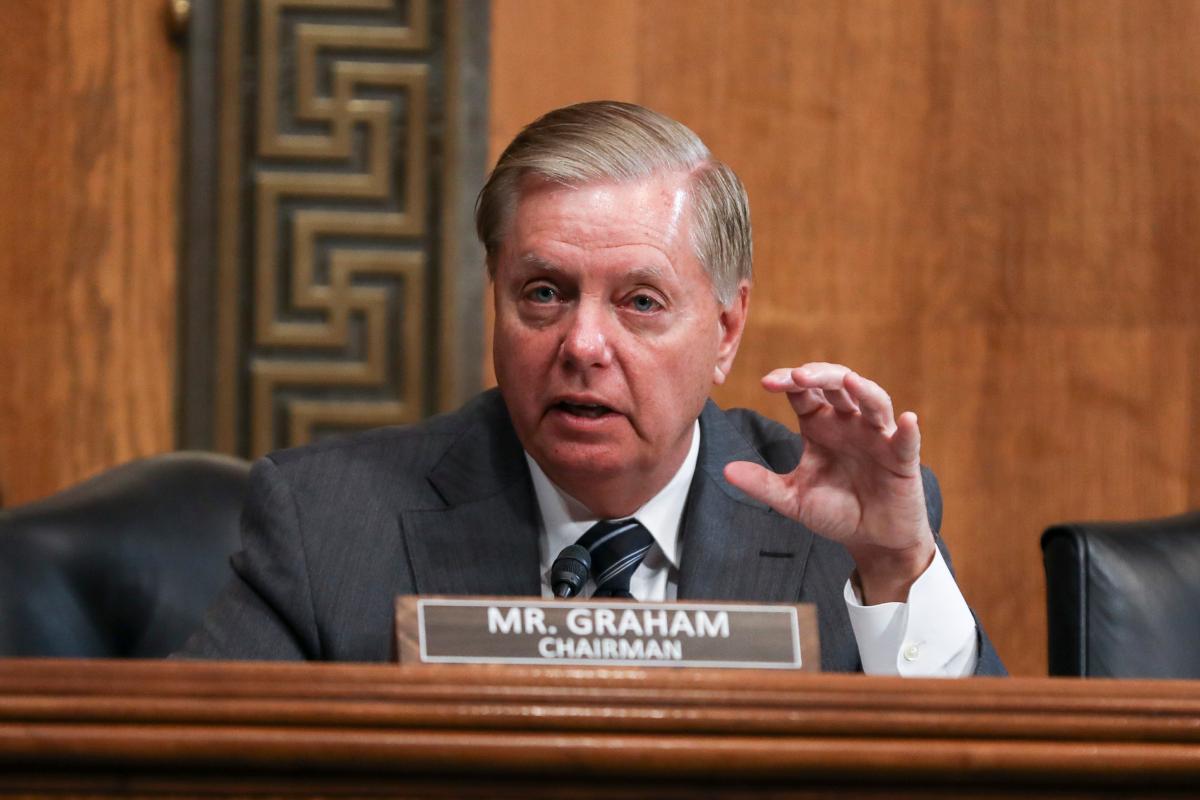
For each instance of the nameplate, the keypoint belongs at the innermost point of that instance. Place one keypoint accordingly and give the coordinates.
(504, 630)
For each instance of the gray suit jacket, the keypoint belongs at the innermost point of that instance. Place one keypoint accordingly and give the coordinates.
(334, 531)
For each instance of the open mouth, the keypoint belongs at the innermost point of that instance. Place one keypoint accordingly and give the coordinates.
(587, 410)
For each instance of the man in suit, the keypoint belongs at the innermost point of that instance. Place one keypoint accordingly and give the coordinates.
(619, 251)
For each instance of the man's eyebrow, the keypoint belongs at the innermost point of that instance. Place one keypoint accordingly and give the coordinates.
(537, 262)
(649, 273)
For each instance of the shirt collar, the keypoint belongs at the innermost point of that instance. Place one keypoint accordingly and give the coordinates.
(564, 519)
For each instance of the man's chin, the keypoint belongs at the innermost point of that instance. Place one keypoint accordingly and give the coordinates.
(577, 464)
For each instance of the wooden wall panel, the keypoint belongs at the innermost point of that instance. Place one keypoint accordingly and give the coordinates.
(990, 207)
(89, 165)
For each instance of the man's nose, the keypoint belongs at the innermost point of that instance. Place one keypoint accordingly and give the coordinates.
(587, 341)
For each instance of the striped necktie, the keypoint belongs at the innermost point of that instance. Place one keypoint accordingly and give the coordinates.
(617, 548)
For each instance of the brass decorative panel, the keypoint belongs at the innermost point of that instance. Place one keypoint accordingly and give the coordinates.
(341, 175)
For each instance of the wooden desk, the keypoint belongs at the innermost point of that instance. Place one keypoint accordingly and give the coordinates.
(119, 728)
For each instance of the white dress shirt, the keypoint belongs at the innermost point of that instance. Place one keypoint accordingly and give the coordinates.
(931, 635)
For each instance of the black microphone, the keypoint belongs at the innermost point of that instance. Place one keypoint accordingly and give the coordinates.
(570, 570)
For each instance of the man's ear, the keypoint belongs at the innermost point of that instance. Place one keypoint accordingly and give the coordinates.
(732, 322)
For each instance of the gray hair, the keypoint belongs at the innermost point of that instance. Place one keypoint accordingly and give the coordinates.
(607, 140)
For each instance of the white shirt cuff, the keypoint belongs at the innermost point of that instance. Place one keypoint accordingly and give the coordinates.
(931, 635)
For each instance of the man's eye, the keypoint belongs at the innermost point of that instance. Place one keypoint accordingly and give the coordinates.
(644, 304)
(543, 294)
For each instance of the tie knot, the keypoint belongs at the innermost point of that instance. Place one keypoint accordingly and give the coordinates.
(617, 548)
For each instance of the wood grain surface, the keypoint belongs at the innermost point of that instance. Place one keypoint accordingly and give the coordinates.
(989, 207)
(89, 149)
(101, 728)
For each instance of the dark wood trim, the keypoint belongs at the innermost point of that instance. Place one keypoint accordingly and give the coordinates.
(463, 271)
(238, 727)
(198, 181)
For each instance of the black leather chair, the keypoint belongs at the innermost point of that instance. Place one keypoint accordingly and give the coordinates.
(123, 565)
(1123, 598)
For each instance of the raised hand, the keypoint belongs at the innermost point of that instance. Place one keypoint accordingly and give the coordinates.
(859, 479)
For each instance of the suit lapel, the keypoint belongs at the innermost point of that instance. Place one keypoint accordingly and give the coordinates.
(485, 540)
(735, 548)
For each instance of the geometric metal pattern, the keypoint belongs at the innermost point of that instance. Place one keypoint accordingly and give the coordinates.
(336, 297)
(336, 306)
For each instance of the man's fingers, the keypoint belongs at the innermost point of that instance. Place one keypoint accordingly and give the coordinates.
(906, 441)
(841, 400)
(820, 375)
(811, 386)
(814, 375)
(874, 402)
(763, 485)
(830, 379)
(806, 401)
(779, 380)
